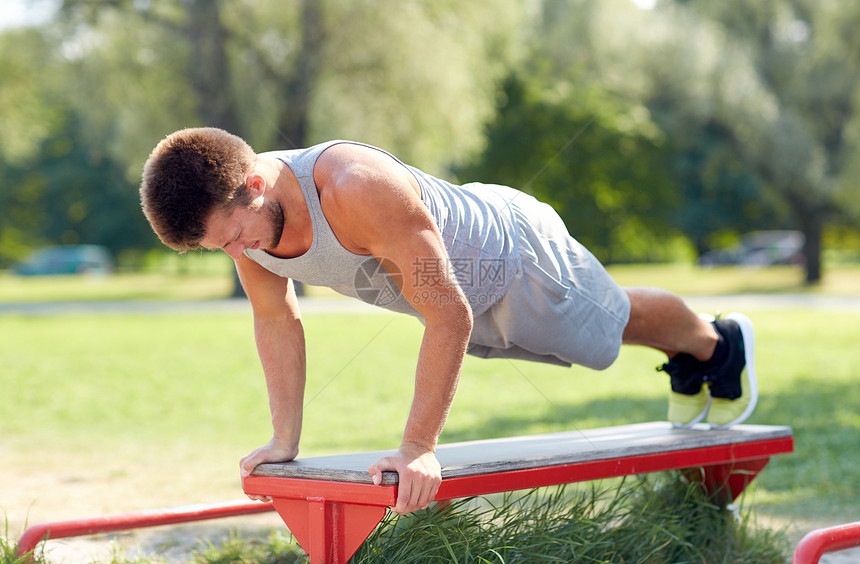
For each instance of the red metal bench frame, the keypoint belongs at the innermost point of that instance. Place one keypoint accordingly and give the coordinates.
(830, 539)
(134, 520)
(331, 519)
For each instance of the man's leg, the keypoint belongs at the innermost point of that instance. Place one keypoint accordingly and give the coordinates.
(661, 320)
(710, 362)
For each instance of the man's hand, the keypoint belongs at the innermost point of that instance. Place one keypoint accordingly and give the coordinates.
(419, 476)
(275, 451)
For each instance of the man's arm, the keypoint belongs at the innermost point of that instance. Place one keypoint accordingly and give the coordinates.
(373, 204)
(281, 346)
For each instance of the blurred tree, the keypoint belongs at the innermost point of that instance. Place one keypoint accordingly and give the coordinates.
(789, 106)
(58, 201)
(29, 108)
(417, 77)
(680, 71)
(191, 42)
(29, 113)
(580, 153)
(698, 116)
(280, 74)
(756, 100)
(54, 189)
(660, 69)
(564, 134)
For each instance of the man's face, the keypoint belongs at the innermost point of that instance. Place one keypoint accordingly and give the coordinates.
(260, 225)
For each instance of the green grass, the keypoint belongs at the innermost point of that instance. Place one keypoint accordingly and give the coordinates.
(690, 280)
(115, 287)
(198, 276)
(122, 399)
(277, 548)
(8, 553)
(654, 520)
(170, 277)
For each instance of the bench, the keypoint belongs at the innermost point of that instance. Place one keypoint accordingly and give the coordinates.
(331, 506)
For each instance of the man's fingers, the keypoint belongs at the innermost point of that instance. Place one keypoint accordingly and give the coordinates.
(272, 452)
(403, 498)
(403, 504)
(414, 494)
(245, 469)
(247, 464)
(429, 494)
(419, 480)
(375, 475)
(377, 468)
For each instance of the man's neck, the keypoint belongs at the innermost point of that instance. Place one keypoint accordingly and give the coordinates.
(285, 189)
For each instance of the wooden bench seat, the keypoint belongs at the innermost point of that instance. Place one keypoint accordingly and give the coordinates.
(330, 504)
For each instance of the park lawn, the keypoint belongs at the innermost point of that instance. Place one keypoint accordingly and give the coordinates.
(168, 403)
(691, 280)
(170, 276)
(208, 276)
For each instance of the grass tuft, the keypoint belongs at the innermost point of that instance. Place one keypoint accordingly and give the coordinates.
(9, 550)
(649, 520)
(8, 553)
(276, 549)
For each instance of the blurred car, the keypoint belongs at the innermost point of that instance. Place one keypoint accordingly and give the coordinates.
(66, 259)
(761, 248)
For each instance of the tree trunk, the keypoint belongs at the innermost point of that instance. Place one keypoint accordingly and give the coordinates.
(812, 225)
(210, 69)
(299, 84)
(210, 77)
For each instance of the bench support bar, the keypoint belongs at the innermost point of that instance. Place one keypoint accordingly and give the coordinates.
(819, 542)
(135, 520)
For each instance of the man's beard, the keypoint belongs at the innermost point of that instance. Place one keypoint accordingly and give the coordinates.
(274, 213)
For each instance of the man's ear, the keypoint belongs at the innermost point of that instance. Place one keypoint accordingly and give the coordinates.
(256, 184)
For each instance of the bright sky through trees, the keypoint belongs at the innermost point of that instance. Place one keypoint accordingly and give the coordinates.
(18, 13)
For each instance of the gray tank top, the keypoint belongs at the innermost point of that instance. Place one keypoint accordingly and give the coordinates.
(477, 226)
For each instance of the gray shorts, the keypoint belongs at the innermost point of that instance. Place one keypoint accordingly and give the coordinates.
(562, 308)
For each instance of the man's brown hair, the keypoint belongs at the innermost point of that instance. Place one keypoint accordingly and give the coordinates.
(190, 174)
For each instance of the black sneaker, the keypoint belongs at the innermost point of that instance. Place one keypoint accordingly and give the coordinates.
(732, 385)
(688, 400)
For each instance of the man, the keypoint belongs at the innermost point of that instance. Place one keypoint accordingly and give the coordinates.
(487, 269)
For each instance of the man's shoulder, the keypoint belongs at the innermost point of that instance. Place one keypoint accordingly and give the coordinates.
(306, 157)
(345, 153)
(354, 167)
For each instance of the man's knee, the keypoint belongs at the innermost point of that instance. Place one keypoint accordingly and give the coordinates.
(603, 358)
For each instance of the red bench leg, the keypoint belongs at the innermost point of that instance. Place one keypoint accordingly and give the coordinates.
(725, 482)
(330, 532)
